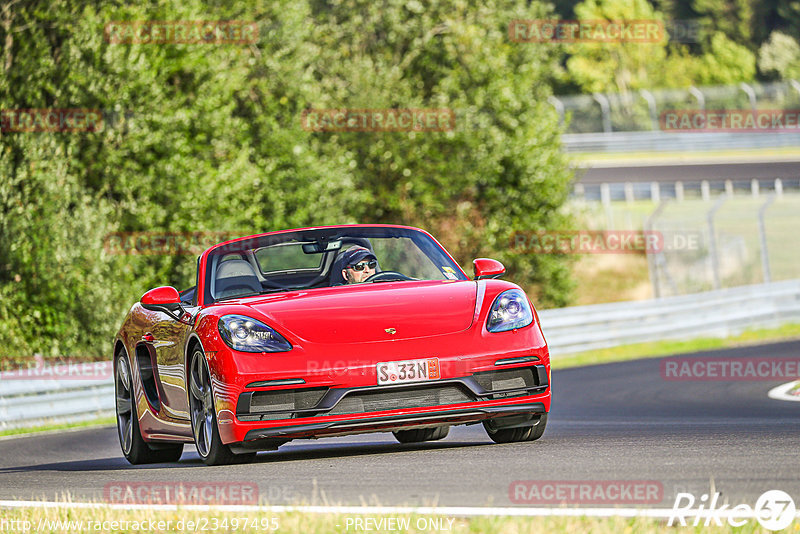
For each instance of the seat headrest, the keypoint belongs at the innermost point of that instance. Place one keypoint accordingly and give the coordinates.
(235, 277)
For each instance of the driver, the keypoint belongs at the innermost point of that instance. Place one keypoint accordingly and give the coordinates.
(359, 264)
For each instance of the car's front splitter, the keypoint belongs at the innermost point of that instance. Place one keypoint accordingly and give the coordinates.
(393, 422)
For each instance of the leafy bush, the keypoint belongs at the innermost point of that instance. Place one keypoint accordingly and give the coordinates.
(209, 138)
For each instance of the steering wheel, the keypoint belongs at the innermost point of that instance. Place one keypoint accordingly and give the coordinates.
(387, 276)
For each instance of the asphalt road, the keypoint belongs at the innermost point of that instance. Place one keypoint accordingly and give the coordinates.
(693, 172)
(608, 422)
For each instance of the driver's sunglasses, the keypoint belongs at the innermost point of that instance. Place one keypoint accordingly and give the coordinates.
(362, 264)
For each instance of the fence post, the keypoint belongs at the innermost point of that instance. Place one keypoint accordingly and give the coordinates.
(778, 187)
(655, 192)
(712, 240)
(605, 107)
(762, 234)
(652, 265)
(754, 188)
(559, 105)
(705, 190)
(679, 191)
(605, 199)
(698, 94)
(795, 85)
(651, 105)
(751, 95)
(729, 188)
(629, 197)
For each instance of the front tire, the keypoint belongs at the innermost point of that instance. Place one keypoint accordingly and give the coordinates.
(135, 449)
(421, 434)
(511, 435)
(204, 417)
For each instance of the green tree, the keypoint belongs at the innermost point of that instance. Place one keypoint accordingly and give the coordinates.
(616, 67)
(499, 171)
(209, 138)
(623, 67)
(731, 17)
(193, 151)
(780, 56)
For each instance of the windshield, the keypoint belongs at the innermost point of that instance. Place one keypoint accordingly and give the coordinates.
(324, 257)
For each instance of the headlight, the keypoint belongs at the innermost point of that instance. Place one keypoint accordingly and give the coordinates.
(249, 335)
(509, 311)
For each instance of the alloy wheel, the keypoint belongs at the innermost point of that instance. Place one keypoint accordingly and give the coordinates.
(202, 404)
(124, 404)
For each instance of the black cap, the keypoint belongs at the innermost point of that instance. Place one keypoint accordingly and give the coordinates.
(355, 254)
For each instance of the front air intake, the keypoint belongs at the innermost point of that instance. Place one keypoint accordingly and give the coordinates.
(396, 399)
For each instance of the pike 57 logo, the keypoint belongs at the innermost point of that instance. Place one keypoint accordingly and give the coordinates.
(774, 510)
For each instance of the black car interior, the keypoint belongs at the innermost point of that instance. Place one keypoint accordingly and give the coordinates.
(238, 274)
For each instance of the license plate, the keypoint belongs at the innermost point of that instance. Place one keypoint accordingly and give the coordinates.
(408, 371)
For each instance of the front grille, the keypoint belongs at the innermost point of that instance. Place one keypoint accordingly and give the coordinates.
(506, 379)
(287, 400)
(395, 399)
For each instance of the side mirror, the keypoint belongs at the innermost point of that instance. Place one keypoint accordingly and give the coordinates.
(165, 298)
(487, 268)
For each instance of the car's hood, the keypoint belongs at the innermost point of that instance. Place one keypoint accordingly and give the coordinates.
(369, 312)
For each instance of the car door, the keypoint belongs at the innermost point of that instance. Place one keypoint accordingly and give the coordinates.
(168, 341)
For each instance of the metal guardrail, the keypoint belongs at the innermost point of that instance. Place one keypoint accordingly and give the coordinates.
(43, 394)
(703, 189)
(657, 141)
(714, 313)
(29, 401)
(643, 110)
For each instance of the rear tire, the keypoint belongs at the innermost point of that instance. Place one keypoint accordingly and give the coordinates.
(421, 434)
(135, 449)
(511, 435)
(204, 417)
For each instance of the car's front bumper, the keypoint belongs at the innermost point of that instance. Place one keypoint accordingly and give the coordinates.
(258, 395)
(377, 423)
(319, 412)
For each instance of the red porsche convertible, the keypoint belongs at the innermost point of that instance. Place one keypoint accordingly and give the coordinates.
(323, 332)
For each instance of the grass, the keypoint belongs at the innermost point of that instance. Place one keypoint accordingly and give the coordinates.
(56, 520)
(667, 347)
(100, 421)
(604, 278)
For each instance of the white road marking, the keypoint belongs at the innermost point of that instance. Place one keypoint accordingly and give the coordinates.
(453, 511)
(782, 392)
